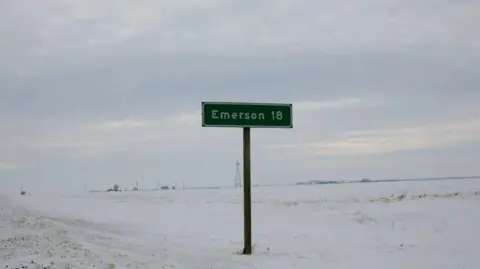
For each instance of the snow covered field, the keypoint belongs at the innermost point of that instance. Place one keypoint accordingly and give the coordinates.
(387, 225)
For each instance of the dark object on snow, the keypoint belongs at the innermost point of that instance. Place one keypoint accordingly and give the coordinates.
(115, 188)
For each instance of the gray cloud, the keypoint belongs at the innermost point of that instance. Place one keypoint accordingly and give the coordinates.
(156, 84)
(92, 90)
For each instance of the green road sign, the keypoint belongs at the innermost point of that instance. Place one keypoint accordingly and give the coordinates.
(246, 116)
(254, 115)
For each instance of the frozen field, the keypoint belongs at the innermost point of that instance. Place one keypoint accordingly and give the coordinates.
(389, 225)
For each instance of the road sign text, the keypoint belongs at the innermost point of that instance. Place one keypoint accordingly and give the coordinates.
(247, 115)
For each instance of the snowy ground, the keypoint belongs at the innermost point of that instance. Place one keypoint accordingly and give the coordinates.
(387, 225)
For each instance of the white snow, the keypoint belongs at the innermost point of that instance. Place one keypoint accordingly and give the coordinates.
(358, 226)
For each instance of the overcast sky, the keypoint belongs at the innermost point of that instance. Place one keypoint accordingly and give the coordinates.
(99, 92)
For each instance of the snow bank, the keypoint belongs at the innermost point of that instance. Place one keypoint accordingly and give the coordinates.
(389, 225)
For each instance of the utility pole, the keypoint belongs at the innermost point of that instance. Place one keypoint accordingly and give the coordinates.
(238, 177)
